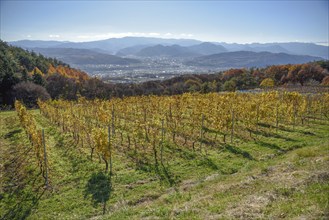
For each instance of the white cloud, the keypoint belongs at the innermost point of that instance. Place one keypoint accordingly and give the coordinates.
(186, 35)
(54, 36)
(154, 34)
(322, 43)
(28, 36)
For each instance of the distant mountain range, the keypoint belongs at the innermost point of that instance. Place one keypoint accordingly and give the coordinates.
(166, 51)
(84, 56)
(294, 48)
(133, 45)
(159, 50)
(113, 44)
(172, 55)
(207, 48)
(242, 59)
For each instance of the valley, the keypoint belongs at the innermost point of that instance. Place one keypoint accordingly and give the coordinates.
(138, 59)
(148, 69)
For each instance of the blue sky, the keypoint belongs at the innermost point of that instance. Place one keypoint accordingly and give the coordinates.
(221, 21)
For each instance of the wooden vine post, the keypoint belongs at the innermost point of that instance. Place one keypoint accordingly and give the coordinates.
(232, 129)
(277, 118)
(257, 119)
(162, 140)
(294, 115)
(45, 156)
(110, 148)
(113, 129)
(201, 131)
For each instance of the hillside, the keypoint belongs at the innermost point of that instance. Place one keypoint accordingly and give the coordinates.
(242, 59)
(18, 66)
(269, 169)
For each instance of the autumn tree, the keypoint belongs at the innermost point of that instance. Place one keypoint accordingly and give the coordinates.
(29, 93)
(277, 72)
(37, 77)
(51, 70)
(292, 74)
(60, 86)
(267, 83)
(230, 85)
(229, 74)
(325, 81)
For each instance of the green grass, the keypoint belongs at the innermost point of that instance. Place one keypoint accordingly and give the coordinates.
(270, 175)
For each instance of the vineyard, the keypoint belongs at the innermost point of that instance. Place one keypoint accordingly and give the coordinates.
(141, 147)
(141, 127)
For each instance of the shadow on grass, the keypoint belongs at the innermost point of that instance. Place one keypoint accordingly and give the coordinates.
(20, 196)
(161, 169)
(282, 128)
(279, 149)
(12, 133)
(295, 146)
(24, 207)
(166, 175)
(99, 186)
(319, 122)
(238, 151)
(207, 162)
(274, 135)
(183, 153)
(269, 145)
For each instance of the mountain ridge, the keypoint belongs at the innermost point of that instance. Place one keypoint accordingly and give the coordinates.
(114, 45)
(240, 59)
(83, 56)
(166, 51)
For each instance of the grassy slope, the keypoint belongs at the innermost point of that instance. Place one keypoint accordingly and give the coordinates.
(274, 176)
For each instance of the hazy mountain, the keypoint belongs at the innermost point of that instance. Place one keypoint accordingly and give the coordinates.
(207, 48)
(307, 49)
(310, 49)
(166, 51)
(268, 48)
(242, 59)
(131, 50)
(83, 56)
(36, 43)
(101, 51)
(113, 44)
(116, 44)
(235, 46)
